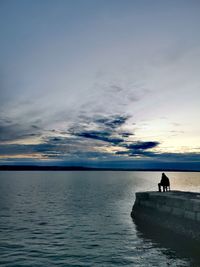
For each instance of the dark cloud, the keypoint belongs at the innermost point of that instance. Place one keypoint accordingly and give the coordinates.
(142, 145)
(59, 151)
(84, 140)
(105, 128)
(11, 130)
(164, 157)
(135, 152)
(56, 139)
(55, 149)
(35, 126)
(101, 136)
(189, 156)
(141, 153)
(16, 149)
(138, 148)
(125, 134)
(112, 122)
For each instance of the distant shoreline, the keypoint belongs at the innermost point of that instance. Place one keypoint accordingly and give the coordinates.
(80, 168)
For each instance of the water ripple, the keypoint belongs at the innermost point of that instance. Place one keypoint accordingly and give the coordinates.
(65, 219)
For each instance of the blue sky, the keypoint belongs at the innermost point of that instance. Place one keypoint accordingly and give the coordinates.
(100, 82)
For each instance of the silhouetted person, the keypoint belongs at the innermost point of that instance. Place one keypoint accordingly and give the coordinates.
(164, 183)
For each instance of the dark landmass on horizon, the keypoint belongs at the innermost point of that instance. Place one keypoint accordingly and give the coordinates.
(82, 168)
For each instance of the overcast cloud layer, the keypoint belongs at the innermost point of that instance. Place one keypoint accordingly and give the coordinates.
(85, 82)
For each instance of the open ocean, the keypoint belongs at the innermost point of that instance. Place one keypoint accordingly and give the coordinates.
(83, 219)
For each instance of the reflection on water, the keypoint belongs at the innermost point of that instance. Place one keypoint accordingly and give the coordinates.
(83, 219)
(189, 181)
(171, 244)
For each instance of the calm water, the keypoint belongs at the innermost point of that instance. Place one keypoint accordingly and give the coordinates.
(83, 219)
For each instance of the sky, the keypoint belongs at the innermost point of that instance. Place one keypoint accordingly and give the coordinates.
(110, 83)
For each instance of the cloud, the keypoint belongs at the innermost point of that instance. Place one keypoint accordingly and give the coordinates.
(94, 138)
(113, 121)
(16, 131)
(126, 134)
(101, 136)
(101, 128)
(142, 145)
(12, 130)
(54, 148)
(138, 148)
(66, 149)
(161, 157)
(87, 136)
(35, 126)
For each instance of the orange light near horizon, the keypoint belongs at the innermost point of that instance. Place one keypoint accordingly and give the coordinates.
(22, 156)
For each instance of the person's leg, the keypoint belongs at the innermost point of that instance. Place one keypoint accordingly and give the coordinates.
(159, 187)
(164, 188)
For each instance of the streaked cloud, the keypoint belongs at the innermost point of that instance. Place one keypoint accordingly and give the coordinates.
(142, 145)
(99, 80)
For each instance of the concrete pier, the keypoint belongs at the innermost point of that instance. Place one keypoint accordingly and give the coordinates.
(176, 211)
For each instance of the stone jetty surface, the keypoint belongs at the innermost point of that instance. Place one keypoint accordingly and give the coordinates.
(177, 211)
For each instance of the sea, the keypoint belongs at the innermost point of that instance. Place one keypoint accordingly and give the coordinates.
(82, 218)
